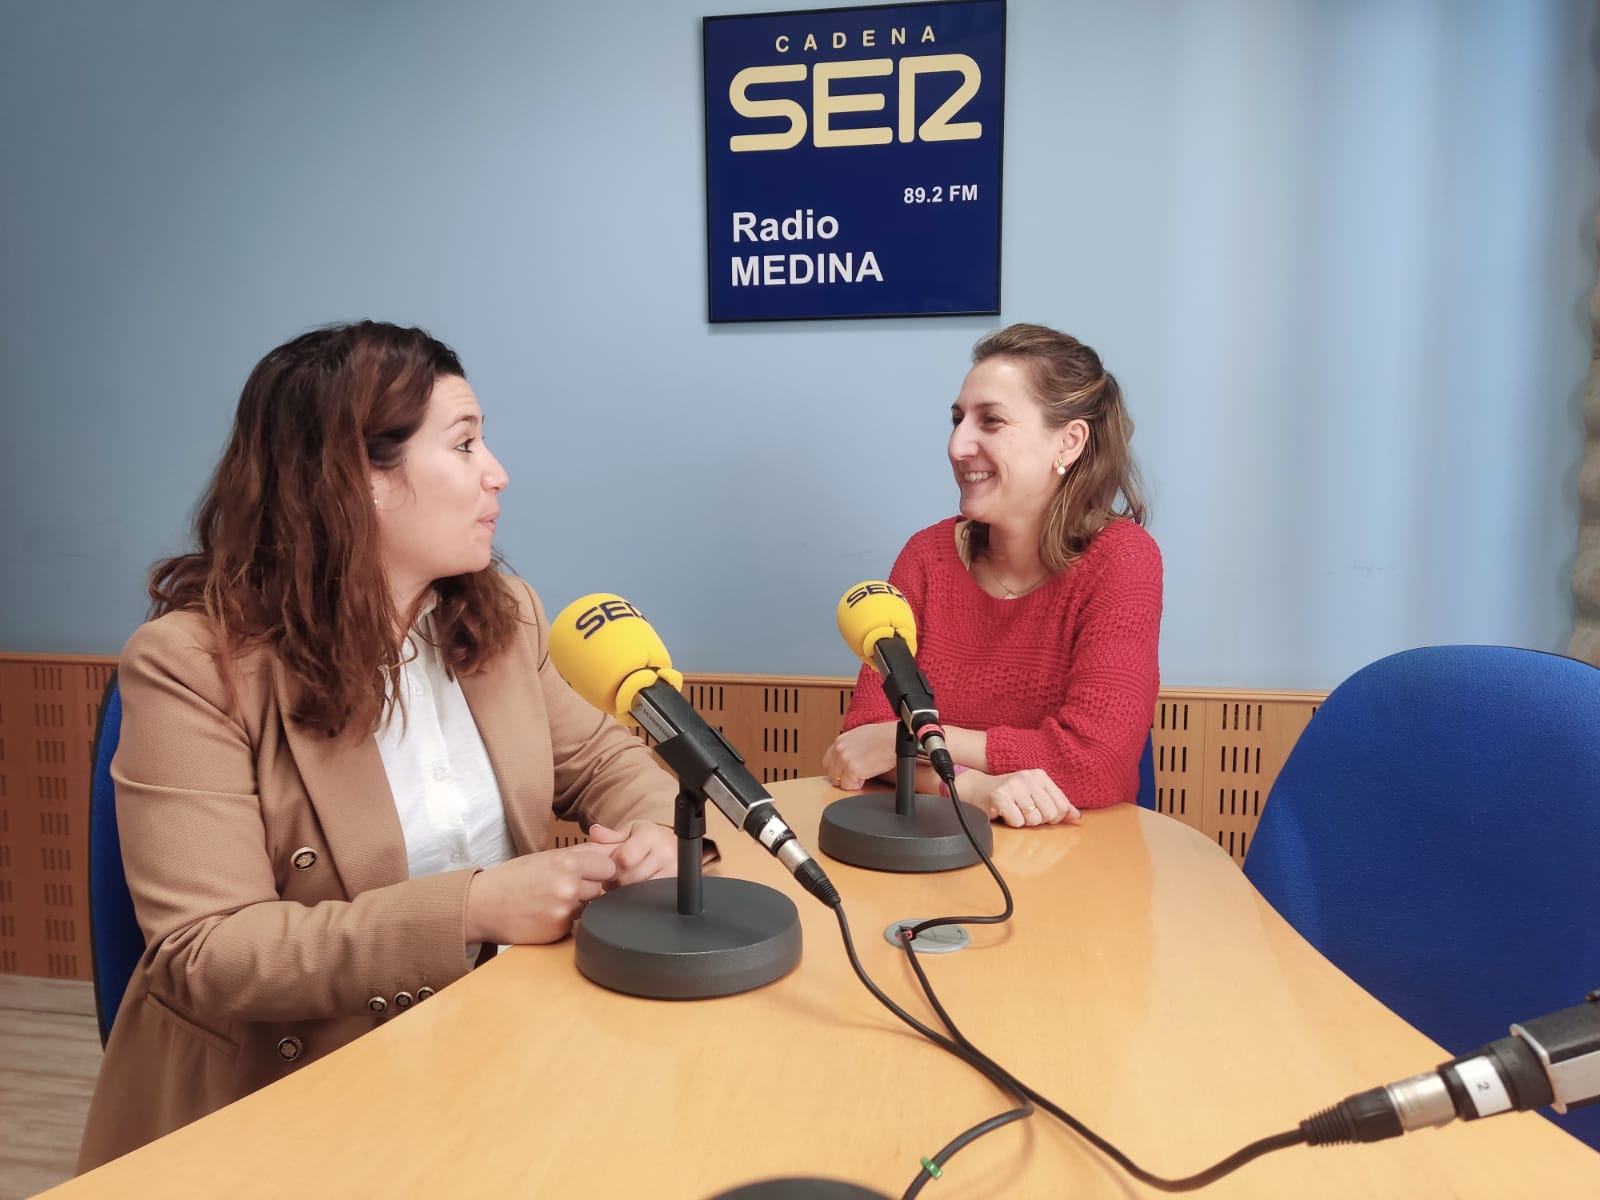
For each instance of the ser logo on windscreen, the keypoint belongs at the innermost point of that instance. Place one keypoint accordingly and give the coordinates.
(592, 620)
(872, 589)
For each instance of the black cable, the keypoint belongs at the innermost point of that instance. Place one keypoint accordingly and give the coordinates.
(917, 929)
(933, 1167)
(1188, 1183)
(973, 1058)
(962, 1047)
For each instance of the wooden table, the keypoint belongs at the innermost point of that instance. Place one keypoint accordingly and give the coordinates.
(1142, 984)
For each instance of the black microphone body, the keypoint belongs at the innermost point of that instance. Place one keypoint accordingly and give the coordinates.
(911, 697)
(706, 764)
(1551, 1060)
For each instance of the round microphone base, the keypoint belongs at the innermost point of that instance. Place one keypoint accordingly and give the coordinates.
(866, 831)
(800, 1188)
(635, 940)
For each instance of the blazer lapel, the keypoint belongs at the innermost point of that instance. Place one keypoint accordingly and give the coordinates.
(507, 706)
(347, 785)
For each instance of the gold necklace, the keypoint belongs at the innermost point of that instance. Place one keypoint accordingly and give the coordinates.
(1012, 593)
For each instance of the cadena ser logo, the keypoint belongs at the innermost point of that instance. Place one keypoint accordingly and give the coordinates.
(853, 160)
(816, 106)
(858, 594)
(596, 617)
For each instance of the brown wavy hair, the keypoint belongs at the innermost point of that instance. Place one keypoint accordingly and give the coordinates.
(1070, 383)
(287, 538)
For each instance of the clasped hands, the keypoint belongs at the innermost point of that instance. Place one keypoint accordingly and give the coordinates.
(535, 898)
(1019, 798)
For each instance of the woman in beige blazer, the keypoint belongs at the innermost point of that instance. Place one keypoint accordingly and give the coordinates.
(264, 846)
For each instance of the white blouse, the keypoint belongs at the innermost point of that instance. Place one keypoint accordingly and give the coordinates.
(439, 772)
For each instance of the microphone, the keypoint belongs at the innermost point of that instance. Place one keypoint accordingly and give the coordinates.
(877, 624)
(908, 831)
(1550, 1060)
(612, 657)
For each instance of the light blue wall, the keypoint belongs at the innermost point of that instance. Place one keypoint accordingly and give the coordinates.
(1338, 251)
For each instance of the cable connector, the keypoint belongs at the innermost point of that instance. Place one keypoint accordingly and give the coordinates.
(1365, 1117)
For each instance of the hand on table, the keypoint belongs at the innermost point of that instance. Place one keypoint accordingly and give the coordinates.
(860, 754)
(535, 898)
(1019, 798)
(640, 850)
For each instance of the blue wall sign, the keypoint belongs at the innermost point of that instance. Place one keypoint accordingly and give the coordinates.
(853, 161)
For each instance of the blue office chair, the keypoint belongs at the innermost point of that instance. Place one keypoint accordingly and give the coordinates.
(1435, 833)
(1147, 775)
(115, 938)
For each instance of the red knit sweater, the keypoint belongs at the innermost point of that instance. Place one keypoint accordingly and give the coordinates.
(1064, 678)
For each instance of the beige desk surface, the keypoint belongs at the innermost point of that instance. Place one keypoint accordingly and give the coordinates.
(1142, 984)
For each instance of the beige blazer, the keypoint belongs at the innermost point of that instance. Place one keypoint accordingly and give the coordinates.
(268, 867)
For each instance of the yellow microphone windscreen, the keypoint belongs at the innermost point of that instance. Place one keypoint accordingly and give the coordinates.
(873, 610)
(607, 651)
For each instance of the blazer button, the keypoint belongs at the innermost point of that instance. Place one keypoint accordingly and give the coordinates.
(289, 1049)
(424, 992)
(304, 858)
(403, 999)
(377, 1004)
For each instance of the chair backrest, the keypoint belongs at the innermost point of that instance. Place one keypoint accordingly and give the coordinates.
(1435, 833)
(114, 934)
(1147, 774)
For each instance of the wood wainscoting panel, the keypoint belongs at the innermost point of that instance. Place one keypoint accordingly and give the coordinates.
(1177, 736)
(1216, 755)
(1248, 735)
(48, 708)
(780, 726)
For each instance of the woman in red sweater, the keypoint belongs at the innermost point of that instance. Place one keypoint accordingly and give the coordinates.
(1039, 608)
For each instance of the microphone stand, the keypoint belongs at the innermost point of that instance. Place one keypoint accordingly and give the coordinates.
(907, 831)
(695, 936)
